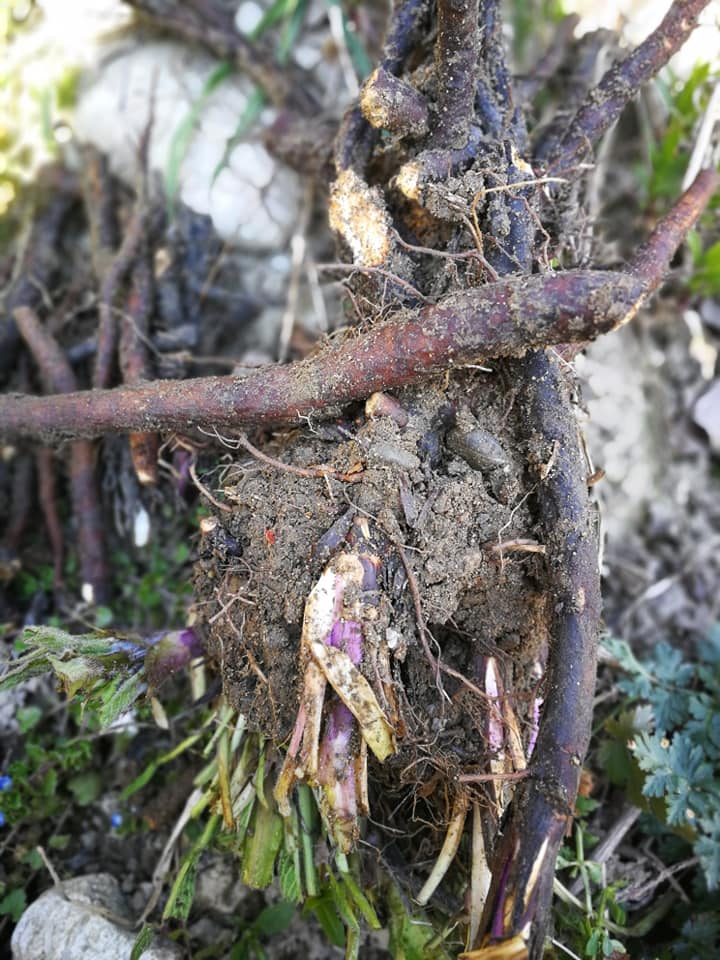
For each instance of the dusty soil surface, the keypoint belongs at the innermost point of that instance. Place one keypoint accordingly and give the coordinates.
(450, 488)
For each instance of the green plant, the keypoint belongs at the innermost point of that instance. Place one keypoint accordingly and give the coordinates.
(675, 744)
(592, 923)
(685, 101)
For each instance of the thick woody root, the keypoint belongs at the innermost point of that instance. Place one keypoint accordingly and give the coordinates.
(519, 899)
(498, 320)
(57, 376)
(501, 319)
(47, 497)
(99, 195)
(456, 65)
(20, 501)
(120, 267)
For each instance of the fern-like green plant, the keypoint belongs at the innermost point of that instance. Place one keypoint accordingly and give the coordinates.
(677, 747)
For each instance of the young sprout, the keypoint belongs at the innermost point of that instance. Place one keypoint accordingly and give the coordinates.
(333, 730)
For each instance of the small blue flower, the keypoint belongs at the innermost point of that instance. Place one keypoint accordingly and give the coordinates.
(2, 819)
(116, 820)
(5, 782)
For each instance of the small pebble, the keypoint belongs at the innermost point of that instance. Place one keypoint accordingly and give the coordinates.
(478, 448)
(383, 405)
(396, 456)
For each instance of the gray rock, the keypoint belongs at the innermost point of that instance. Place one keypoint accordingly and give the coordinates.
(75, 924)
(394, 455)
(219, 887)
(478, 448)
(707, 414)
(710, 313)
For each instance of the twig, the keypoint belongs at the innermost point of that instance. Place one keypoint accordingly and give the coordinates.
(40, 263)
(48, 504)
(622, 81)
(320, 472)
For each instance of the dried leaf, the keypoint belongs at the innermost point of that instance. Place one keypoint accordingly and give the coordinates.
(357, 695)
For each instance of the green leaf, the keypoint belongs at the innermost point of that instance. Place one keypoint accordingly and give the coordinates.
(362, 902)
(142, 942)
(25, 669)
(28, 718)
(262, 844)
(141, 780)
(13, 903)
(59, 842)
(33, 859)
(103, 617)
(76, 674)
(274, 919)
(253, 109)
(85, 787)
(119, 697)
(411, 934)
(324, 909)
(182, 892)
(288, 877)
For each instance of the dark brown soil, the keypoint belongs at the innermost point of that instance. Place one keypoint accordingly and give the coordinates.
(449, 516)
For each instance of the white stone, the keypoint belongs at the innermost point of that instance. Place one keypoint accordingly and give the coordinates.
(69, 928)
(141, 527)
(252, 162)
(248, 16)
(113, 111)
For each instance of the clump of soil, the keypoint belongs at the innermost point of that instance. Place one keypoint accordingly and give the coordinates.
(446, 496)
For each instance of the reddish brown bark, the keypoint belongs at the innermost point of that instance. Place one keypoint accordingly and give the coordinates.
(58, 376)
(136, 365)
(47, 498)
(501, 319)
